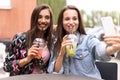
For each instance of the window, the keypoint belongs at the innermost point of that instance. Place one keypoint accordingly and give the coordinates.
(5, 4)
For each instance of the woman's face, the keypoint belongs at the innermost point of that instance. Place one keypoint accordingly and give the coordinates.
(44, 19)
(70, 21)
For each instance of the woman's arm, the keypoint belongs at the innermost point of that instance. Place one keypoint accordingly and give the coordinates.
(18, 56)
(59, 62)
(13, 56)
(60, 57)
(32, 53)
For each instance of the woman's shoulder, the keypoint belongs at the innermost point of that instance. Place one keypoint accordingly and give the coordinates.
(19, 38)
(18, 41)
(85, 38)
(20, 35)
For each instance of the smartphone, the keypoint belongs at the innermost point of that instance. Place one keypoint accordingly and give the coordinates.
(108, 25)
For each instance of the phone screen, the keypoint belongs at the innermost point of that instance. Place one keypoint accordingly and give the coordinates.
(108, 25)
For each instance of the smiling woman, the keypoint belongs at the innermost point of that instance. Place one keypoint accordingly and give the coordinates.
(25, 57)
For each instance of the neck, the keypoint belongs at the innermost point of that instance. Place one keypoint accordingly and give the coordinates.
(41, 34)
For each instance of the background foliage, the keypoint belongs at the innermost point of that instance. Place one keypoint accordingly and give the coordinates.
(94, 18)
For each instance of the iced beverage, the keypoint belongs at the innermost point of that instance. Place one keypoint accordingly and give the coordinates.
(40, 53)
(71, 49)
(41, 44)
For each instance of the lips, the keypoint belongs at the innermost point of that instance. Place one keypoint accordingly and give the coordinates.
(70, 28)
(42, 27)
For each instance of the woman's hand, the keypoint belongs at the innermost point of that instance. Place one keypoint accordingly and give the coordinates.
(65, 43)
(59, 60)
(113, 42)
(33, 52)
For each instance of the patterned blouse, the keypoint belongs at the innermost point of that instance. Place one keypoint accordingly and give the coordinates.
(17, 51)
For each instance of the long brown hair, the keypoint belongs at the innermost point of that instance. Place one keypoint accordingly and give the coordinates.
(61, 31)
(32, 33)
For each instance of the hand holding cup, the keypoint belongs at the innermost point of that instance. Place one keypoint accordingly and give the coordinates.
(71, 49)
(41, 44)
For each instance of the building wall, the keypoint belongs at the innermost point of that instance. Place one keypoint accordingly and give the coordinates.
(16, 19)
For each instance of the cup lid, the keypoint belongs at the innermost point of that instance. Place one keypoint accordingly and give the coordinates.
(73, 37)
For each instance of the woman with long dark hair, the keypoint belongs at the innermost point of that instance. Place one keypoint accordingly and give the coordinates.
(88, 50)
(23, 55)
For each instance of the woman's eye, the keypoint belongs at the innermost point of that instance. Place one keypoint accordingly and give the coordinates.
(74, 18)
(67, 19)
(47, 17)
(39, 17)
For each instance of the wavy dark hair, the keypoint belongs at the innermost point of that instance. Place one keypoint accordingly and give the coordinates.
(32, 33)
(61, 31)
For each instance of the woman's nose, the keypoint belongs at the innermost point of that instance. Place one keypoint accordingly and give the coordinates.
(71, 22)
(43, 20)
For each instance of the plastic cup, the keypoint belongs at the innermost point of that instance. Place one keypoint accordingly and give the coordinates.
(41, 44)
(71, 49)
(40, 53)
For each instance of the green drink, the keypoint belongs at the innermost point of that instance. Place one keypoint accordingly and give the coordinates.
(71, 50)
